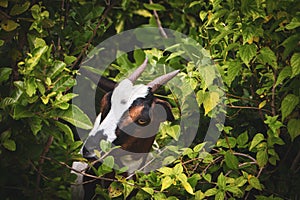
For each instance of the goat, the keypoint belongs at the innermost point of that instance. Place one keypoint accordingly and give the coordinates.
(129, 117)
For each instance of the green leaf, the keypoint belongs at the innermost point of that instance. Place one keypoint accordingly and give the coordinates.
(154, 6)
(199, 195)
(294, 128)
(256, 140)
(254, 182)
(39, 42)
(115, 190)
(109, 161)
(30, 86)
(211, 100)
(231, 160)
(233, 70)
(193, 180)
(58, 67)
(9, 145)
(295, 63)
(207, 177)
(127, 188)
(166, 183)
(262, 158)
(5, 72)
(235, 190)
(288, 104)
(247, 52)
(293, 24)
(64, 84)
(34, 60)
(267, 56)
(221, 181)
(143, 12)
(35, 125)
(187, 187)
(178, 169)
(284, 73)
(76, 116)
(211, 192)
(167, 171)
(105, 146)
(4, 3)
(148, 190)
(242, 139)
(199, 147)
(220, 195)
(69, 59)
(66, 129)
(229, 143)
(18, 9)
(174, 132)
(9, 25)
(21, 112)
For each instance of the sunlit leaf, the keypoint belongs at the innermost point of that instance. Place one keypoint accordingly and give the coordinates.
(148, 190)
(256, 140)
(211, 100)
(166, 183)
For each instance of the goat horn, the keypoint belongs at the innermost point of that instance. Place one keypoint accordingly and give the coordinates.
(135, 75)
(156, 83)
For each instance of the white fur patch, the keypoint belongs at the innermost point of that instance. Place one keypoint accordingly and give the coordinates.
(122, 98)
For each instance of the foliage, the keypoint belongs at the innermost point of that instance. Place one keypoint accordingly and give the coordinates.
(255, 45)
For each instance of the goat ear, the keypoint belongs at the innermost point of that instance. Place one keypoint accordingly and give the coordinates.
(104, 84)
(167, 109)
(105, 104)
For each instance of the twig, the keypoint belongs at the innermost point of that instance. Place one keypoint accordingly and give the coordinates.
(273, 96)
(41, 161)
(295, 163)
(162, 31)
(249, 107)
(245, 155)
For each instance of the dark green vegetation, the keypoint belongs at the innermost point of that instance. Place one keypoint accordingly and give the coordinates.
(256, 47)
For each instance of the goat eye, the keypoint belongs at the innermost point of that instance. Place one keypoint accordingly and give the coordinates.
(142, 121)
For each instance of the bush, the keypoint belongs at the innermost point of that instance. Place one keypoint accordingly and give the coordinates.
(255, 45)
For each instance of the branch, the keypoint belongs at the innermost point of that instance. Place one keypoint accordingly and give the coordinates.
(249, 107)
(41, 161)
(162, 31)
